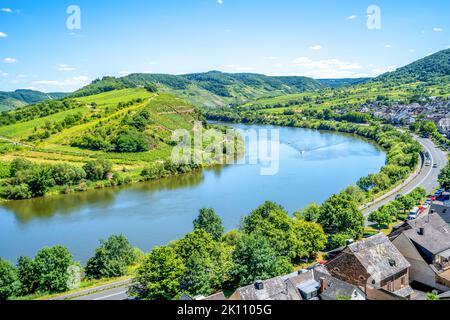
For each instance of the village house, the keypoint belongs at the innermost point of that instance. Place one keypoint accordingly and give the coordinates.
(425, 243)
(444, 126)
(313, 284)
(376, 266)
(272, 289)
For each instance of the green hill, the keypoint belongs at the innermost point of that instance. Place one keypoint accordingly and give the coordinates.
(337, 83)
(211, 89)
(20, 98)
(130, 127)
(431, 70)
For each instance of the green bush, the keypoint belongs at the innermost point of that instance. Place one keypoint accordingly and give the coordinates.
(97, 170)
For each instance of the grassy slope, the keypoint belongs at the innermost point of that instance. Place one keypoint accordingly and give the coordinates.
(167, 111)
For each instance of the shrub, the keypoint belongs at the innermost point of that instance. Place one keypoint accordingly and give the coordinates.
(97, 170)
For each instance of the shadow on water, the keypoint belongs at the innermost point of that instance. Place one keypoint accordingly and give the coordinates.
(44, 208)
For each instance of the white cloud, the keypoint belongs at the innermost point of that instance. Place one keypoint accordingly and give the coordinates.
(411, 50)
(9, 60)
(65, 67)
(316, 47)
(9, 10)
(278, 65)
(66, 84)
(47, 82)
(4, 74)
(438, 30)
(3, 35)
(378, 71)
(220, 1)
(153, 63)
(388, 46)
(330, 68)
(239, 68)
(352, 17)
(123, 73)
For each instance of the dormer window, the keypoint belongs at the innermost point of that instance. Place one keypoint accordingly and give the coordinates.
(392, 263)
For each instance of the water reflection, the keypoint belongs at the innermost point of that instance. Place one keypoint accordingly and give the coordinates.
(43, 208)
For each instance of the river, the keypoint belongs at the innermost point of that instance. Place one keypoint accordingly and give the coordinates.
(157, 212)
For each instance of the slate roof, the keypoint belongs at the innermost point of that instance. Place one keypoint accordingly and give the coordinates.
(274, 289)
(216, 297)
(442, 210)
(437, 233)
(335, 288)
(379, 256)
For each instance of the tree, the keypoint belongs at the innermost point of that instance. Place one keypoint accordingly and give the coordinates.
(405, 203)
(16, 192)
(51, 265)
(131, 141)
(159, 276)
(428, 128)
(40, 180)
(444, 178)
(97, 169)
(381, 217)
(340, 214)
(65, 174)
(255, 259)
(311, 212)
(28, 276)
(9, 284)
(198, 241)
(310, 239)
(196, 278)
(209, 221)
(390, 209)
(356, 193)
(367, 183)
(19, 164)
(338, 240)
(111, 259)
(272, 222)
(222, 265)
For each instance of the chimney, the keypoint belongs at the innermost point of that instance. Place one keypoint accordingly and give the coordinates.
(323, 284)
(259, 285)
(422, 231)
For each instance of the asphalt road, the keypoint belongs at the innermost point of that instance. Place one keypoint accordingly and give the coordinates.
(114, 294)
(427, 179)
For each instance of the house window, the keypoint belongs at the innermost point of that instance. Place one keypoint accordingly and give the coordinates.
(403, 281)
(390, 287)
(362, 278)
(336, 270)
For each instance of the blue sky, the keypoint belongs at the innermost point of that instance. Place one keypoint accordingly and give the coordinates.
(321, 38)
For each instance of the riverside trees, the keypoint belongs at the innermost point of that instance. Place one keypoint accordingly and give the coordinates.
(267, 244)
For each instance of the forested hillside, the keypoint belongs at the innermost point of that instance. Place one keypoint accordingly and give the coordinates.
(212, 89)
(433, 69)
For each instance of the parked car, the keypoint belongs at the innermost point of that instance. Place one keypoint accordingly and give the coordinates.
(435, 166)
(414, 214)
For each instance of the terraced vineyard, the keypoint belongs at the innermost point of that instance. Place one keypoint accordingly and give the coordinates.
(42, 140)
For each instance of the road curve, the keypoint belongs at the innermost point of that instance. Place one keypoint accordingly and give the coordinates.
(427, 178)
